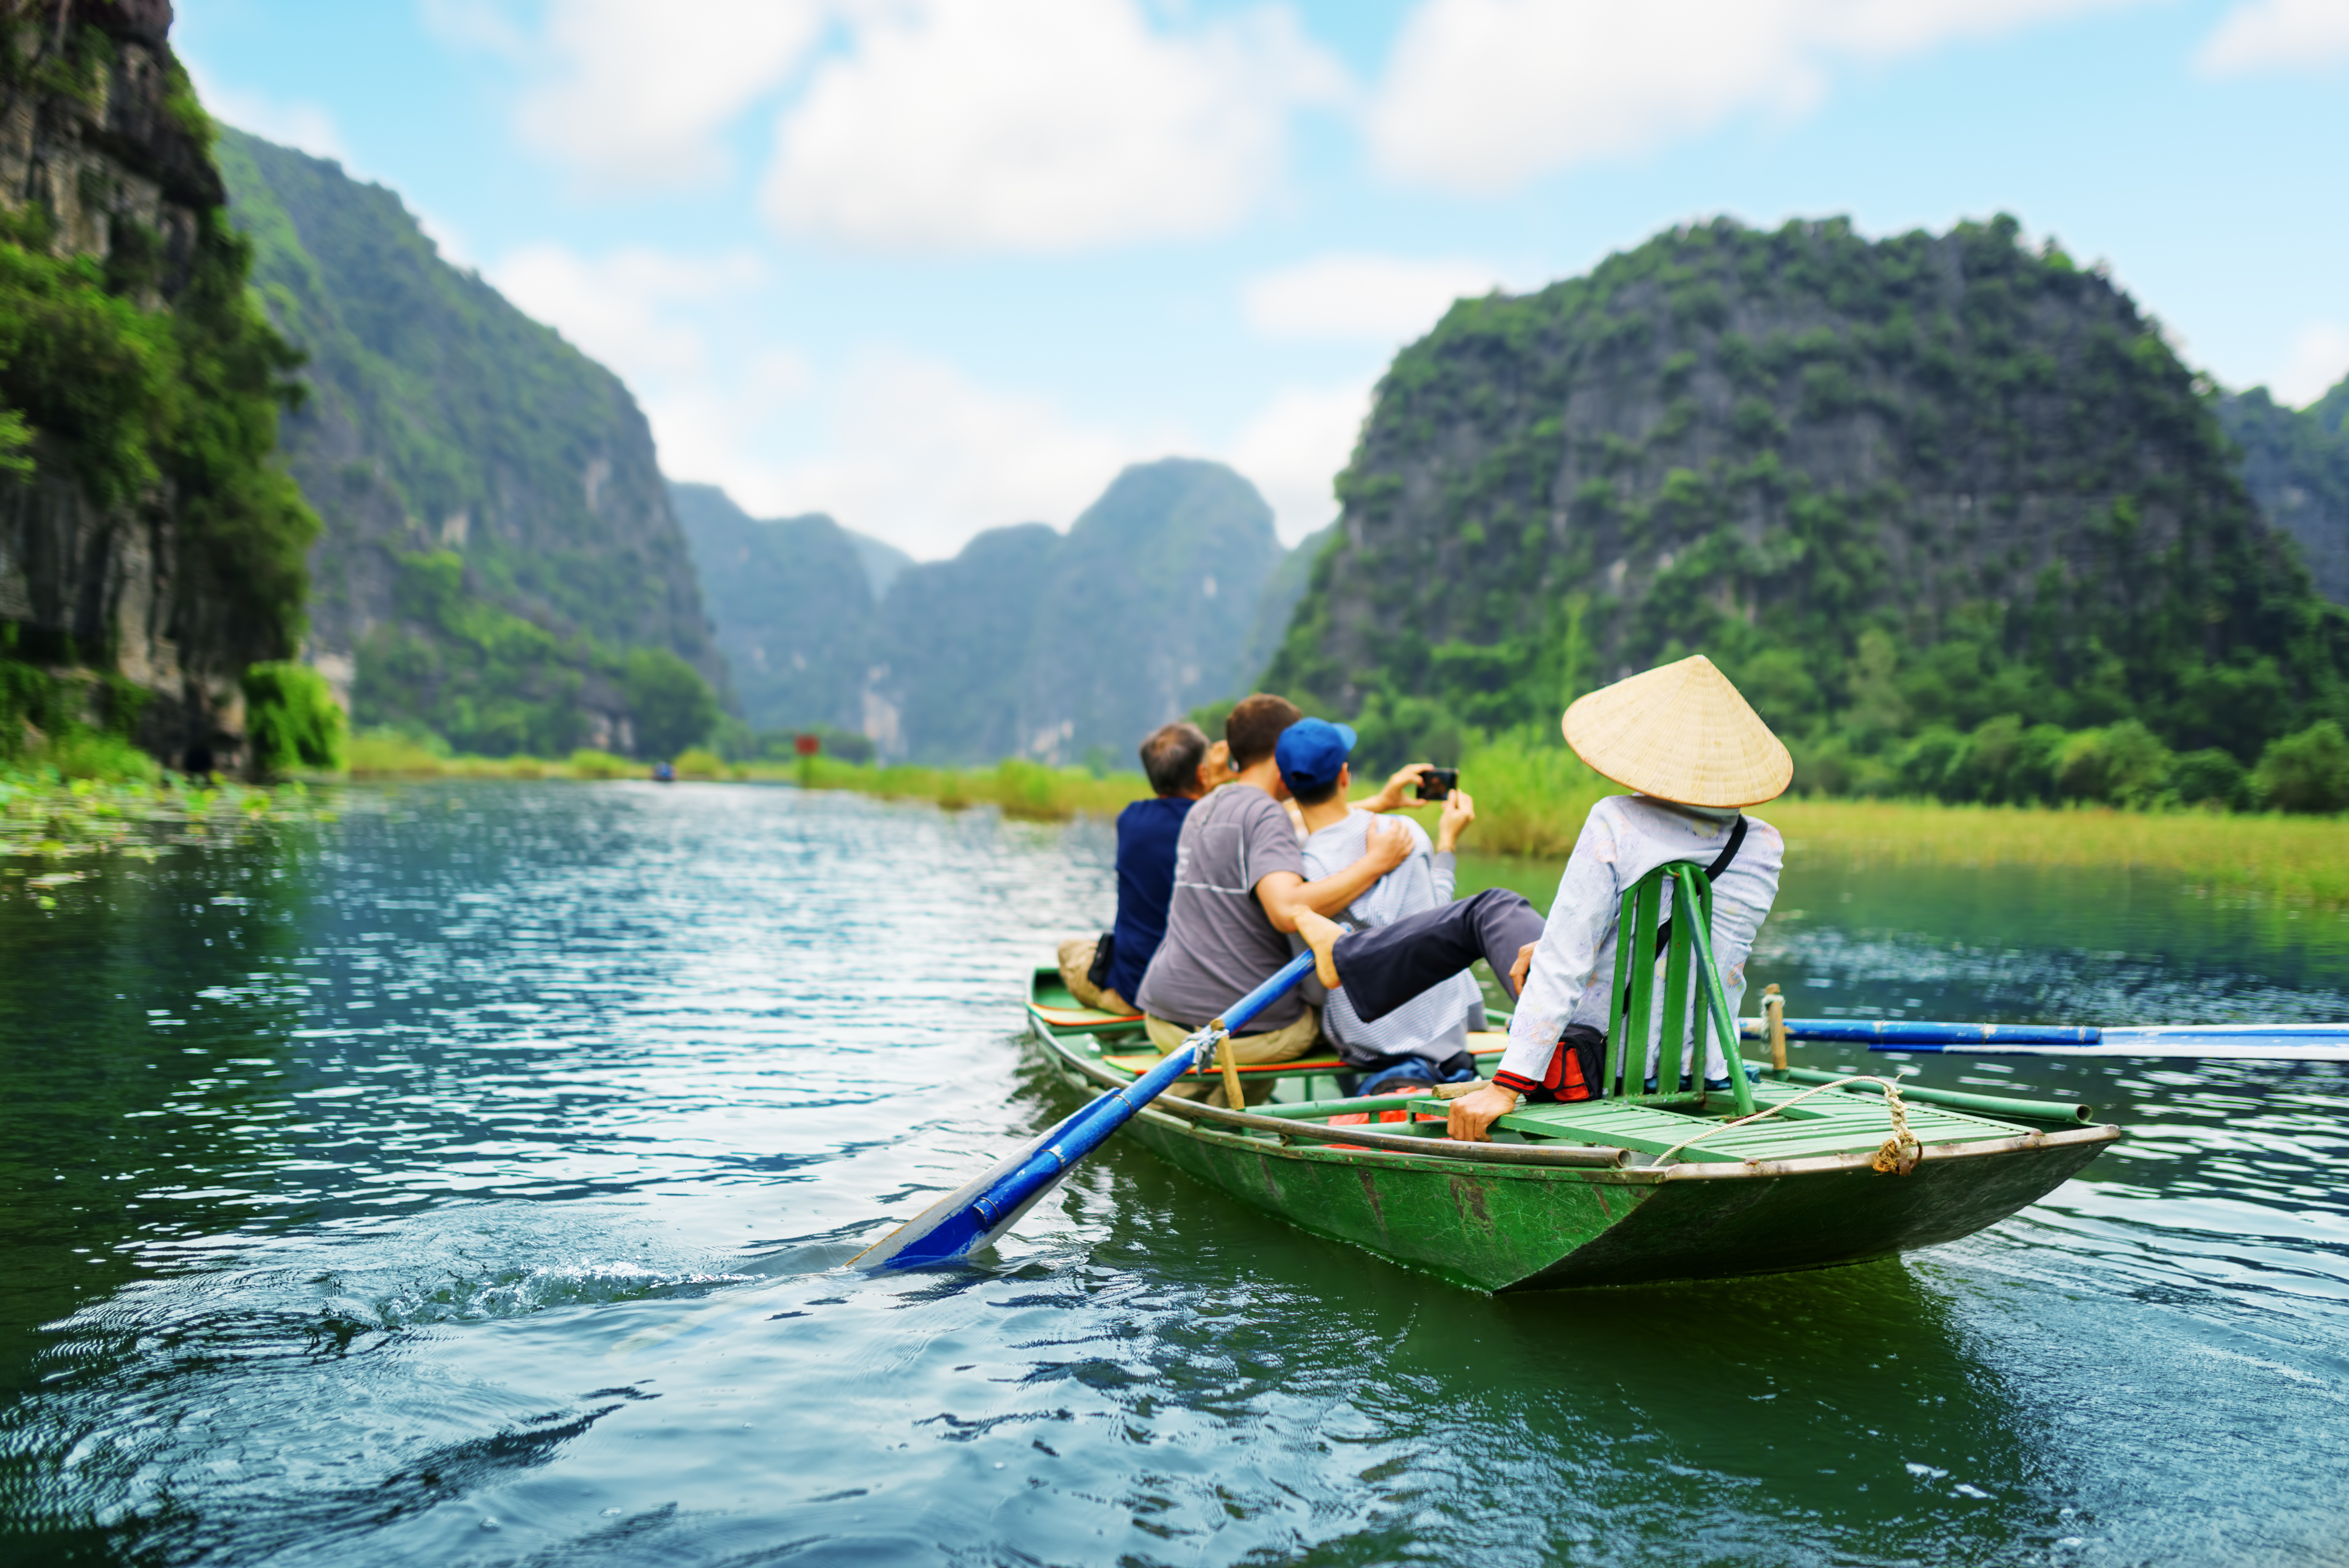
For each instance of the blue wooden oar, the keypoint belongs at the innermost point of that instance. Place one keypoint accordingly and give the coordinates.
(978, 1212)
(2208, 1042)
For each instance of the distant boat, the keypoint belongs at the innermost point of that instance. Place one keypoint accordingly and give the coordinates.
(1601, 1192)
(663, 773)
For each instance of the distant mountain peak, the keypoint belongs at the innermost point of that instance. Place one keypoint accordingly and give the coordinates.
(1029, 642)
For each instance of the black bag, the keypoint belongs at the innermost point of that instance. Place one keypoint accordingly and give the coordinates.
(1589, 1048)
(1105, 951)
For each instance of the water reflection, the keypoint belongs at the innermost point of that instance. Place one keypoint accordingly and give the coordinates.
(141, 1026)
(498, 1228)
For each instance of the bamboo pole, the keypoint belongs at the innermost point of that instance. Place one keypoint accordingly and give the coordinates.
(1773, 1009)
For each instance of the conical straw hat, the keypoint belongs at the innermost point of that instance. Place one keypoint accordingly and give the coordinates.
(1680, 732)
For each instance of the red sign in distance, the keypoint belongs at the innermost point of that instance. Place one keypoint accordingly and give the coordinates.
(806, 745)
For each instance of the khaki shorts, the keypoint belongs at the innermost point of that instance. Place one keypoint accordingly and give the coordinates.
(1076, 965)
(1283, 1045)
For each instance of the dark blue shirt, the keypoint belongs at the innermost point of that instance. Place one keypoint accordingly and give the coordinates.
(1146, 835)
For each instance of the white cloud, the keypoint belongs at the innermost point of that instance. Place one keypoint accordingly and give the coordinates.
(631, 94)
(446, 238)
(908, 449)
(1360, 298)
(2320, 359)
(1483, 94)
(621, 308)
(912, 451)
(1040, 125)
(307, 126)
(2277, 35)
(1294, 447)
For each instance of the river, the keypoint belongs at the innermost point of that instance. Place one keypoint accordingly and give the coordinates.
(462, 1180)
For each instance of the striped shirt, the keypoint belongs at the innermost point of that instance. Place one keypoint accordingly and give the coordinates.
(1434, 1024)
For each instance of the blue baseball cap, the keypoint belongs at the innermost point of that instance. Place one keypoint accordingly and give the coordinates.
(1309, 753)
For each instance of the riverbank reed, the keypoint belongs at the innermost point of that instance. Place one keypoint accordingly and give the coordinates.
(1017, 787)
(1531, 800)
(55, 828)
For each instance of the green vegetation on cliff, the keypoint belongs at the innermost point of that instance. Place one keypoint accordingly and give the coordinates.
(796, 604)
(141, 391)
(1950, 511)
(181, 400)
(499, 542)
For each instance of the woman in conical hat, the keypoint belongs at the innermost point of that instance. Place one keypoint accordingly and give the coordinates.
(1697, 753)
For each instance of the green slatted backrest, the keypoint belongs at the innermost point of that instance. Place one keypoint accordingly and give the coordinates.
(1634, 1003)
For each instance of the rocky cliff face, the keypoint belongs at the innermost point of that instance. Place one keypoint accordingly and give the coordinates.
(1080, 645)
(1925, 481)
(443, 422)
(146, 541)
(2296, 466)
(793, 600)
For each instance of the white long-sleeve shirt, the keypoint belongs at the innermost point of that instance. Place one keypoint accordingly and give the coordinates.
(1624, 838)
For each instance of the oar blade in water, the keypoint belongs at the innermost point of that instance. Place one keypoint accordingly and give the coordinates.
(951, 1227)
(974, 1214)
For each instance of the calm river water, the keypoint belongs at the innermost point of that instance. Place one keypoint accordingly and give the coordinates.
(460, 1181)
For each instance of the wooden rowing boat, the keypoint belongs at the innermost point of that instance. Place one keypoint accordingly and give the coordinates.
(1603, 1192)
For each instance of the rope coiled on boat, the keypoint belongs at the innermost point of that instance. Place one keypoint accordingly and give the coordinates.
(1899, 1155)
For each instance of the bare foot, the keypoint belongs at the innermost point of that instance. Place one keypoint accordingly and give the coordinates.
(1321, 935)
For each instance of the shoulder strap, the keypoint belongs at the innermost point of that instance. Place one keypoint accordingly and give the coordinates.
(1729, 852)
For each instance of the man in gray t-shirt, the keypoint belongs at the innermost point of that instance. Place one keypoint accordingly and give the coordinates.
(1239, 885)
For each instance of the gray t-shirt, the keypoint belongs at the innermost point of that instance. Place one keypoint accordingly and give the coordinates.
(1219, 945)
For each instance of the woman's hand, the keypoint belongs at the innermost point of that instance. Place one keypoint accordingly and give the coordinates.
(1472, 1115)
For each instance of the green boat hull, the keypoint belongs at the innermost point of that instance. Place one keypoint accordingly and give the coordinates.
(1497, 1227)
(1510, 1228)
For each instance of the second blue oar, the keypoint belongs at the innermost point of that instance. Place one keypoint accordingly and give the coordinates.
(2208, 1042)
(976, 1213)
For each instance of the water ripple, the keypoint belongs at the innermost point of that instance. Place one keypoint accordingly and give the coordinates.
(472, 1183)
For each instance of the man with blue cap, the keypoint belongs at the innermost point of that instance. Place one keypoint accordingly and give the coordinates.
(1425, 1040)
(1239, 890)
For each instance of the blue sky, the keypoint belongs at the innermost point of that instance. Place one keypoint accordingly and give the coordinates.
(935, 266)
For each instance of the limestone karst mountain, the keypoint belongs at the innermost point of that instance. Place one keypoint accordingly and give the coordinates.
(2296, 466)
(1029, 642)
(152, 550)
(500, 564)
(1931, 481)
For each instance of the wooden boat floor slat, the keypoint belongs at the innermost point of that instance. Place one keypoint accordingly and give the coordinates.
(1842, 1122)
(1832, 1123)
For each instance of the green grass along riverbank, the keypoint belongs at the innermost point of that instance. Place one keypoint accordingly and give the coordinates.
(1531, 802)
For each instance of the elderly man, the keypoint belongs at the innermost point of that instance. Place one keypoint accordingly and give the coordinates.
(1239, 889)
(1182, 767)
(1685, 740)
